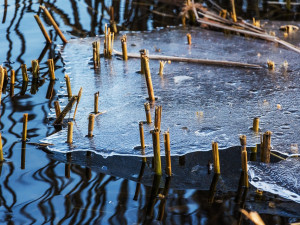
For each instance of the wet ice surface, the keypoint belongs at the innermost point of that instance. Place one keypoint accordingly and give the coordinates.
(278, 178)
(200, 104)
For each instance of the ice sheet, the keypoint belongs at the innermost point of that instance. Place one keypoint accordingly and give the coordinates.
(278, 178)
(200, 104)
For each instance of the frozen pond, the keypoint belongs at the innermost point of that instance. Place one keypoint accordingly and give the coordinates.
(200, 103)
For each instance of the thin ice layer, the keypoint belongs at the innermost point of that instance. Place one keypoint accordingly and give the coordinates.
(278, 178)
(200, 104)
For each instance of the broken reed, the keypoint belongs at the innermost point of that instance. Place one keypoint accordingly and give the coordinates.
(25, 121)
(245, 166)
(78, 100)
(96, 99)
(168, 153)
(51, 69)
(143, 52)
(48, 15)
(39, 22)
(68, 83)
(96, 54)
(1, 149)
(24, 73)
(161, 67)
(215, 151)
(70, 133)
(2, 75)
(156, 151)
(233, 14)
(65, 111)
(266, 147)
(108, 42)
(91, 125)
(148, 78)
(57, 108)
(148, 113)
(189, 38)
(256, 124)
(157, 119)
(12, 77)
(35, 69)
(113, 24)
(124, 47)
(141, 129)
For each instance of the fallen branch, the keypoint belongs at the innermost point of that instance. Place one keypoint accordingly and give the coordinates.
(190, 60)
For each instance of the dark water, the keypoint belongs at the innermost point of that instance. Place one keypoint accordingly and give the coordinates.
(37, 187)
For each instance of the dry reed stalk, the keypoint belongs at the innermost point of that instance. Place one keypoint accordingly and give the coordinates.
(266, 148)
(143, 52)
(256, 124)
(96, 99)
(25, 121)
(68, 107)
(24, 73)
(245, 167)
(1, 81)
(35, 69)
(51, 69)
(148, 79)
(168, 153)
(233, 15)
(48, 15)
(161, 67)
(148, 113)
(215, 151)
(157, 119)
(189, 38)
(12, 77)
(124, 47)
(70, 133)
(141, 129)
(68, 83)
(156, 150)
(243, 140)
(1, 149)
(190, 60)
(5, 74)
(96, 54)
(39, 22)
(57, 108)
(91, 125)
(78, 100)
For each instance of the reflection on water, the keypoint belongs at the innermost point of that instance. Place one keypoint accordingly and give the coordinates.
(36, 188)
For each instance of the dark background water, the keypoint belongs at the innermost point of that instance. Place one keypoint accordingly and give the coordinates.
(37, 187)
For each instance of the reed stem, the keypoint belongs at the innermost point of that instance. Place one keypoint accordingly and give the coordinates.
(35, 68)
(256, 124)
(141, 129)
(51, 69)
(148, 113)
(48, 15)
(245, 167)
(124, 47)
(12, 77)
(168, 153)
(70, 133)
(157, 119)
(96, 99)
(78, 100)
(156, 149)
(148, 79)
(266, 147)
(215, 150)
(91, 125)
(1, 149)
(57, 108)
(25, 121)
(189, 38)
(68, 107)
(39, 22)
(68, 83)
(24, 72)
